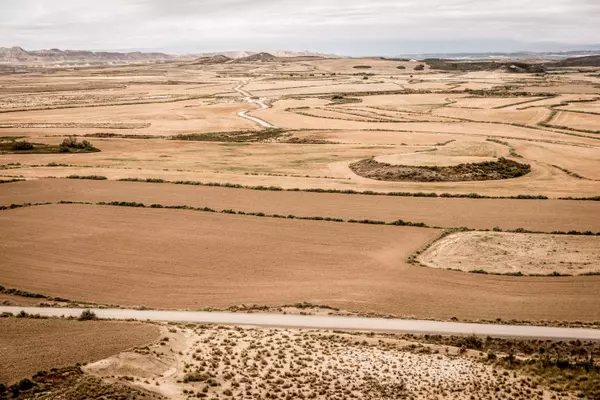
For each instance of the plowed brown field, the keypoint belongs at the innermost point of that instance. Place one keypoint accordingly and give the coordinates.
(31, 345)
(538, 215)
(186, 259)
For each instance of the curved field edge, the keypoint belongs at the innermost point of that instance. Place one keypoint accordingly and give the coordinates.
(534, 215)
(388, 278)
(510, 253)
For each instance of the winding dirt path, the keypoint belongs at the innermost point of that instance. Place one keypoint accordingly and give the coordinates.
(248, 98)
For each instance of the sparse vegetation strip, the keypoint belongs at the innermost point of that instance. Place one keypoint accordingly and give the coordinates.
(24, 293)
(346, 191)
(511, 150)
(91, 177)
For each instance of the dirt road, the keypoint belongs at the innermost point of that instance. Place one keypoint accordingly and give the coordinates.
(326, 322)
(249, 99)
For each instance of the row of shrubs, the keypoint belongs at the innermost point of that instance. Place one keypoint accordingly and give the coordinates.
(398, 222)
(23, 293)
(256, 214)
(346, 191)
(68, 144)
(519, 273)
(92, 177)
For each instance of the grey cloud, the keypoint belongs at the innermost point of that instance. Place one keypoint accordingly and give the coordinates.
(198, 25)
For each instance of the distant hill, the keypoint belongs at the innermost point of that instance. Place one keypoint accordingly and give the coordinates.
(17, 55)
(258, 57)
(277, 53)
(217, 59)
(586, 61)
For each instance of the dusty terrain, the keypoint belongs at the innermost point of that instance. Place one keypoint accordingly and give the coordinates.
(31, 345)
(247, 363)
(509, 253)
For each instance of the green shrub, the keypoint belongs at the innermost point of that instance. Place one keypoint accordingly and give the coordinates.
(72, 143)
(25, 384)
(22, 145)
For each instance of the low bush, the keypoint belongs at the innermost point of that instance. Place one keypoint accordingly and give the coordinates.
(71, 143)
(92, 177)
(22, 145)
(88, 315)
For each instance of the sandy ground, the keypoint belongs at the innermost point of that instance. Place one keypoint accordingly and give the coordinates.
(499, 252)
(31, 345)
(223, 260)
(577, 120)
(247, 363)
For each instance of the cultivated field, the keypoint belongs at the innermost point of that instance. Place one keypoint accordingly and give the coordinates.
(305, 185)
(222, 260)
(32, 345)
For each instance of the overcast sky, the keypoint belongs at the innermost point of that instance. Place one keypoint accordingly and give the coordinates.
(349, 27)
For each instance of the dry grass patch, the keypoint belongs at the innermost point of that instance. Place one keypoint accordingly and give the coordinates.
(512, 253)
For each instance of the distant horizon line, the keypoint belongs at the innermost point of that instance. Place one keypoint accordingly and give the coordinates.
(591, 49)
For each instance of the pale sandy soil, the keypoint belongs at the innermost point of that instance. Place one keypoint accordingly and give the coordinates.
(584, 107)
(577, 120)
(580, 160)
(536, 215)
(530, 116)
(490, 102)
(499, 252)
(164, 119)
(31, 345)
(450, 154)
(223, 260)
(247, 363)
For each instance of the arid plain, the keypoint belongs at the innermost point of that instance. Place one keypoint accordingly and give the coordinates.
(366, 186)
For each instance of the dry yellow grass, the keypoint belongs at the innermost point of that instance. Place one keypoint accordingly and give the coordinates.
(509, 253)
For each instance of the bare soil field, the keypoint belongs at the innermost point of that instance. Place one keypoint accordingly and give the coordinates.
(509, 253)
(31, 345)
(221, 260)
(534, 215)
